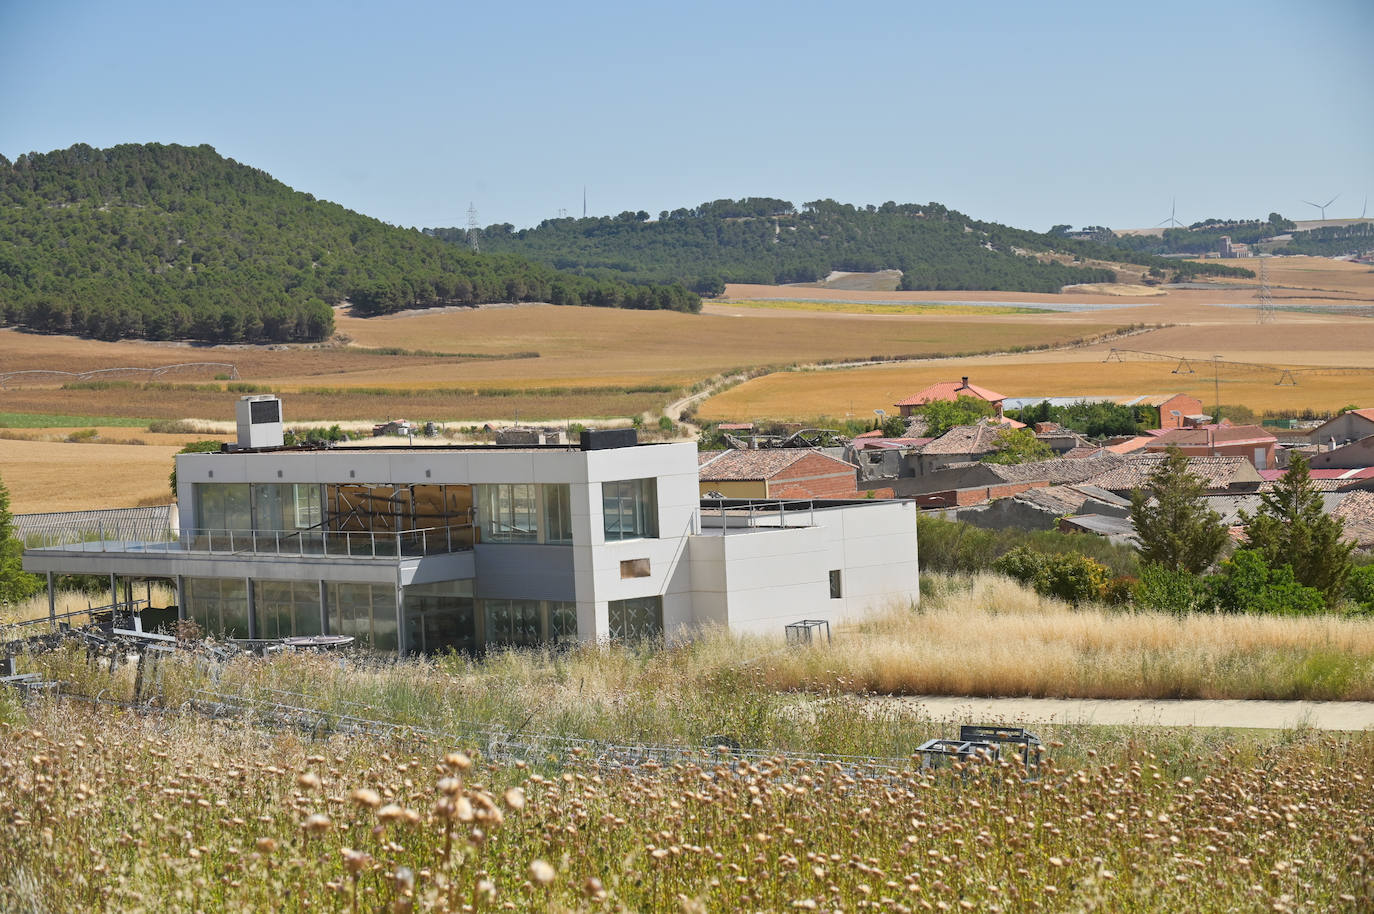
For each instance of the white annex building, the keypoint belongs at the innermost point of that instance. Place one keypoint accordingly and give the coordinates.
(426, 548)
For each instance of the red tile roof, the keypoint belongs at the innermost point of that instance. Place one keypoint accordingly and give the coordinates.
(1214, 434)
(950, 390)
(748, 466)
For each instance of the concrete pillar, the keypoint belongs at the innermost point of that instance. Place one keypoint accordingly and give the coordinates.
(181, 598)
(52, 601)
(114, 590)
(252, 609)
(400, 617)
(324, 608)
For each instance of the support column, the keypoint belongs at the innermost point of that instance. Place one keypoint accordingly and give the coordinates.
(252, 609)
(114, 590)
(324, 608)
(182, 615)
(400, 617)
(52, 601)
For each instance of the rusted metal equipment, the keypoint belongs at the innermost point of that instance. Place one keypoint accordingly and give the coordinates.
(983, 744)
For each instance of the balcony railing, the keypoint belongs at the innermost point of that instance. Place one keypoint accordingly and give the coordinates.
(218, 541)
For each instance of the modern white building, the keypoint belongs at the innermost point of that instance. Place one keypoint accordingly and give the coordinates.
(425, 548)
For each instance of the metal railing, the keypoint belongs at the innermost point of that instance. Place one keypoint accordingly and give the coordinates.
(221, 541)
(730, 515)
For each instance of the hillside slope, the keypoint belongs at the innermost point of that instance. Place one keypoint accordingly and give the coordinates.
(765, 240)
(175, 242)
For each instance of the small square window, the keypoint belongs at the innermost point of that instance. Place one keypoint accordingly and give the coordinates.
(835, 584)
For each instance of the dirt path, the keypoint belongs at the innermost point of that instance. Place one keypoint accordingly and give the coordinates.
(1265, 715)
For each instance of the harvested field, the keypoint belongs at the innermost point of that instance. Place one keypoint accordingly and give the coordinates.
(48, 476)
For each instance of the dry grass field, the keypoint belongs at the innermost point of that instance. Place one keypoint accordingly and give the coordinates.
(47, 476)
(1201, 330)
(545, 363)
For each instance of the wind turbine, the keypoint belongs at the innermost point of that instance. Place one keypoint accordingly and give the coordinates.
(1322, 206)
(1171, 221)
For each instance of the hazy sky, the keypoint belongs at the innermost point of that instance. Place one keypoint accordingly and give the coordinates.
(1025, 113)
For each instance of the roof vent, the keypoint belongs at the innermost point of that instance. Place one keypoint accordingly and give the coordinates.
(259, 422)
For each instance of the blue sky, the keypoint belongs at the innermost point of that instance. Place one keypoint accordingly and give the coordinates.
(1025, 113)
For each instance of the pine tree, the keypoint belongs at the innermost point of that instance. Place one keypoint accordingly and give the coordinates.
(1174, 527)
(15, 583)
(1293, 528)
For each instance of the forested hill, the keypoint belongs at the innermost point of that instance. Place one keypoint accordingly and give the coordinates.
(764, 240)
(174, 242)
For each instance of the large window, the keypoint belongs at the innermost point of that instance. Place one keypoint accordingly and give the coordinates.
(441, 617)
(557, 513)
(513, 623)
(286, 609)
(222, 506)
(637, 619)
(525, 513)
(218, 605)
(630, 509)
(365, 611)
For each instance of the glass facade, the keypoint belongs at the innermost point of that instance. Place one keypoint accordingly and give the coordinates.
(512, 623)
(441, 617)
(557, 514)
(637, 619)
(218, 605)
(287, 609)
(525, 513)
(223, 506)
(630, 509)
(365, 611)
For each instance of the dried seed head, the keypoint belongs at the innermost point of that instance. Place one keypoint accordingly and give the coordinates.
(515, 798)
(356, 861)
(449, 786)
(309, 780)
(365, 796)
(317, 823)
(390, 813)
(541, 873)
(458, 761)
(267, 845)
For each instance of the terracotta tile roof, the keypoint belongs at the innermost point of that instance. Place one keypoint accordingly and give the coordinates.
(1130, 445)
(861, 444)
(950, 390)
(1213, 434)
(739, 466)
(1055, 499)
(1217, 472)
(1058, 471)
(1082, 450)
(965, 439)
(1357, 510)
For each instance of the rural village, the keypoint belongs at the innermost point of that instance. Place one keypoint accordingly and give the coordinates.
(412, 499)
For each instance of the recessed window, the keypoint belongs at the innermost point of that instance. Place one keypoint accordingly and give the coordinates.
(630, 509)
(835, 592)
(636, 620)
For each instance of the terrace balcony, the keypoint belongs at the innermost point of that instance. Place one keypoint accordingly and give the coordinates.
(102, 547)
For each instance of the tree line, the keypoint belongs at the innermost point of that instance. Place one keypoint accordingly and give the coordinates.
(173, 242)
(768, 240)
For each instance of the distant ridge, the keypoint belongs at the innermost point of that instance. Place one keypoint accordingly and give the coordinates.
(176, 242)
(767, 240)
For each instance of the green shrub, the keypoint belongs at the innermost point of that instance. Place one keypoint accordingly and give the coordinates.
(955, 547)
(1178, 592)
(1072, 578)
(1359, 589)
(1248, 584)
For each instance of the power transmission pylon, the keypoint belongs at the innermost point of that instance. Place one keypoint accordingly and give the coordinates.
(472, 227)
(1265, 313)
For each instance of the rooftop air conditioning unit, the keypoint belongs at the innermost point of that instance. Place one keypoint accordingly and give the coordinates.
(259, 422)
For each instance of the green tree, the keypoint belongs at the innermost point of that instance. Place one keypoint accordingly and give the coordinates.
(1249, 584)
(943, 415)
(1173, 525)
(1292, 528)
(15, 582)
(1019, 445)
